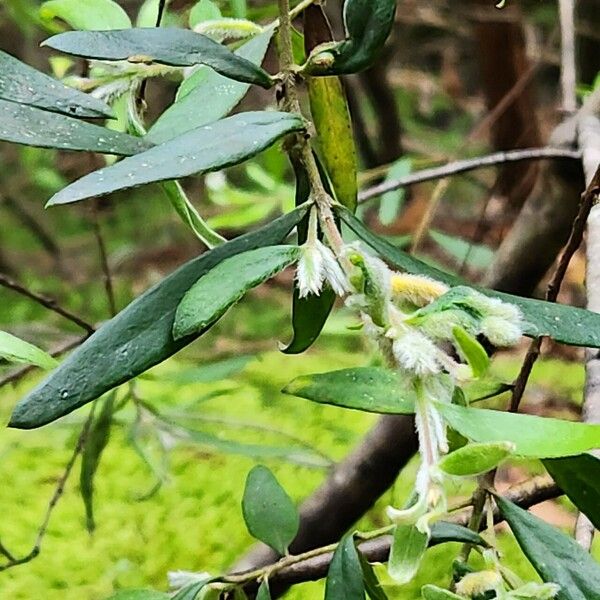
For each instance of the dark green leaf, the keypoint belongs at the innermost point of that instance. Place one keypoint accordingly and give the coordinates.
(269, 512)
(164, 45)
(534, 437)
(16, 350)
(216, 94)
(36, 127)
(23, 84)
(371, 389)
(345, 578)
(475, 459)
(263, 591)
(566, 324)
(371, 583)
(406, 553)
(209, 148)
(139, 595)
(556, 557)
(86, 14)
(95, 443)
(579, 478)
(138, 338)
(442, 532)
(214, 293)
(309, 314)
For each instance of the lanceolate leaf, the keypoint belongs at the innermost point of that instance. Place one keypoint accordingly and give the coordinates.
(345, 578)
(432, 592)
(269, 512)
(96, 441)
(556, 557)
(331, 117)
(210, 297)
(16, 350)
(579, 478)
(86, 14)
(475, 459)
(216, 94)
(138, 338)
(208, 148)
(164, 45)
(371, 583)
(566, 324)
(442, 532)
(309, 314)
(406, 553)
(191, 591)
(370, 389)
(23, 84)
(263, 591)
(534, 437)
(35, 127)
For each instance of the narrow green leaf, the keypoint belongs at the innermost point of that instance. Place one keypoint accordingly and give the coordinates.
(473, 255)
(566, 324)
(209, 148)
(408, 547)
(263, 591)
(16, 350)
(345, 578)
(371, 583)
(216, 94)
(579, 478)
(432, 592)
(269, 512)
(189, 215)
(191, 591)
(214, 293)
(370, 389)
(556, 557)
(25, 85)
(95, 443)
(32, 126)
(472, 351)
(86, 14)
(138, 338)
(442, 532)
(533, 437)
(165, 45)
(475, 459)
(309, 314)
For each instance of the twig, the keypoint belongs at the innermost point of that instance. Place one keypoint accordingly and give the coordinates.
(12, 561)
(107, 276)
(468, 164)
(49, 303)
(314, 564)
(575, 238)
(568, 69)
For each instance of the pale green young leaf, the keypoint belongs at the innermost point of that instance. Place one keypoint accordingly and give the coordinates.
(269, 512)
(472, 351)
(16, 350)
(263, 591)
(433, 592)
(391, 202)
(408, 547)
(204, 10)
(86, 14)
(476, 459)
(214, 293)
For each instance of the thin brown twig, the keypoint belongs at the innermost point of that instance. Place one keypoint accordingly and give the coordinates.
(46, 302)
(575, 238)
(12, 561)
(106, 273)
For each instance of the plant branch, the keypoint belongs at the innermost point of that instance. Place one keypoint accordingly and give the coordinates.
(13, 561)
(46, 302)
(314, 564)
(568, 69)
(107, 276)
(469, 164)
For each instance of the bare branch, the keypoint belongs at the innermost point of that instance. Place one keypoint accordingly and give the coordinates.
(568, 70)
(49, 303)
